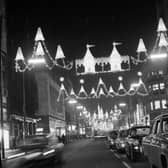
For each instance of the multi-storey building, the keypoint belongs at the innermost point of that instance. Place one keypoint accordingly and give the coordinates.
(155, 71)
(4, 77)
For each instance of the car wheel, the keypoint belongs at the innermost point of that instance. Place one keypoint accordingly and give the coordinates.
(164, 162)
(151, 165)
(132, 157)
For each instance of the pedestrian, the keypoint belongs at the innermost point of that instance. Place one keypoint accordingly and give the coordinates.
(63, 138)
(59, 138)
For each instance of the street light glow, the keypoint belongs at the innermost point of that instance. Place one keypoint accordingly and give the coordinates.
(135, 85)
(122, 104)
(79, 107)
(36, 61)
(72, 101)
(156, 56)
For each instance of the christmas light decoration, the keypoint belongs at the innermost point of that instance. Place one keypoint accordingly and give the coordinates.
(142, 54)
(111, 92)
(91, 65)
(161, 45)
(101, 89)
(141, 89)
(92, 93)
(82, 93)
(62, 92)
(121, 90)
(40, 56)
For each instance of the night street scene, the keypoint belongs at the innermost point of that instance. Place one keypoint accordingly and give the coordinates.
(84, 86)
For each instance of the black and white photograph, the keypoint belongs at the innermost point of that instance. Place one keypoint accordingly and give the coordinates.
(84, 84)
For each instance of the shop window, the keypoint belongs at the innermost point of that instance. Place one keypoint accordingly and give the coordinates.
(164, 103)
(157, 104)
(162, 86)
(155, 87)
(160, 72)
(154, 73)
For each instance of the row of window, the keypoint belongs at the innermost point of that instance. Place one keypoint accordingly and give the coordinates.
(157, 86)
(158, 104)
(159, 72)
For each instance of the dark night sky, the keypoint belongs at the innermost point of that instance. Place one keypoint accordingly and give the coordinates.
(74, 27)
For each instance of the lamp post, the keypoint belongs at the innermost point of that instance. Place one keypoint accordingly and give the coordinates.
(24, 107)
(2, 117)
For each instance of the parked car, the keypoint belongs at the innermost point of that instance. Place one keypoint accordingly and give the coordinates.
(155, 145)
(134, 141)
(111, 137)
(36, 149)
(121, 140)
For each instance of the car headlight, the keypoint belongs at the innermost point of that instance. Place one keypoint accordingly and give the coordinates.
(123, 145)
(112, 142)
(136, 147)
(135, 143)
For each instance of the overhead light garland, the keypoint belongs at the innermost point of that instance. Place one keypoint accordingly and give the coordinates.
(82, 93)
(111, 92)
(101, 90)
(40, 56)
(161, 45)
(91, 65)
(62, 91)
(121, 90)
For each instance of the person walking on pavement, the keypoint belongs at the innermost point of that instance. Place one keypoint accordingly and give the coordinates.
(63, 138)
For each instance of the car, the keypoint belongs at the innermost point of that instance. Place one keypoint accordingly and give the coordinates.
(155, 145)
(100, 137)
(121, 140)
(111, 138)
(37, 149)
(134, 141)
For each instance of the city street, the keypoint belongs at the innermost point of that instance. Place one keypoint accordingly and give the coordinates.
(95, 154)
(84, 87)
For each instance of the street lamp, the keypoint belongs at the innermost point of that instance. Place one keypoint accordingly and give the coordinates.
(122, 104)
(72, 101)
(79, 107)
(157, 56)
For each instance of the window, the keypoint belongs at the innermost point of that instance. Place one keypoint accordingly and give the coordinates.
(164, 125)
(155, 87)
(150, 88)
(162, 86)
(151, 106)
(157, 104)
(160, 72)
(164, 104)
(156, 127)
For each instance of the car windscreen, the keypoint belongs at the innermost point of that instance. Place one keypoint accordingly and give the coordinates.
(123, 133)
(164, 125)
(113, 134)
(140, 131)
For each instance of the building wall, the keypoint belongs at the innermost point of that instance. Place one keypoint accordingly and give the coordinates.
(50, 111)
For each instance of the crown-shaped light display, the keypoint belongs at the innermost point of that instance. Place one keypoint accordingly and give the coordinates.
(40, 56)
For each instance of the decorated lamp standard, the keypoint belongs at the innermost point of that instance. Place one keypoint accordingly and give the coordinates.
(40, 57)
